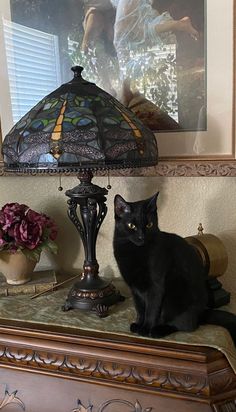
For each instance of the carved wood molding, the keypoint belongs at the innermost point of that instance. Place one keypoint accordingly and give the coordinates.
(112, 372)
(222, 382)
(229, 406)
(10, 399)
(103, 407)
(139, 371)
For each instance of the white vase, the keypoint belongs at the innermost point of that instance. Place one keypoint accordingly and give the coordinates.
(16, 267)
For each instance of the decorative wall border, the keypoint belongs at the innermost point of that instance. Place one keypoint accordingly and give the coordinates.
(165, 168)
(184, 168)
(196, 169)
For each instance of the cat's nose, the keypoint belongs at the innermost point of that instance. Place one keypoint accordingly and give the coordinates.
(140, 238)
(139, 242)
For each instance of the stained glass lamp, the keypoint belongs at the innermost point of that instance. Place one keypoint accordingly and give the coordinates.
(80, 128)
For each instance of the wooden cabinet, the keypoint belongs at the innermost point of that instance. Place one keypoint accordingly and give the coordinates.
(64, 371)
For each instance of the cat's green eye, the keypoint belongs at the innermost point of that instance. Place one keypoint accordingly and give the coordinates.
(131, 226)
(149, 225)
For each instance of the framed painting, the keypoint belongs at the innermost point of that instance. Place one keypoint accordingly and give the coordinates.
(164, 59)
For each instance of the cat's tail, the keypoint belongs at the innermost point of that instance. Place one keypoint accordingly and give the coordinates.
(221, 318)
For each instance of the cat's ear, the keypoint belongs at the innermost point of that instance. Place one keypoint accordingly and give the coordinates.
(152, 203)
(121, 206)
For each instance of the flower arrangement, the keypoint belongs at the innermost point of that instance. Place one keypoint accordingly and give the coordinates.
(23, 229)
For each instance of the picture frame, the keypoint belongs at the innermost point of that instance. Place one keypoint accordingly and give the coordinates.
(208, 151)
(217, 158)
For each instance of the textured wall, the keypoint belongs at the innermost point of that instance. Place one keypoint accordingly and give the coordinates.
(182, 204)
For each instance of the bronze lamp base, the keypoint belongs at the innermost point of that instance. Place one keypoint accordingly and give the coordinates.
(94, 294)
(90, 292)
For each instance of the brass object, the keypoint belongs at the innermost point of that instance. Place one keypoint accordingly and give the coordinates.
(212, 251)
(54, 287)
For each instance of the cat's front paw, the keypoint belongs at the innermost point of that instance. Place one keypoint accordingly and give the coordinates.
(162, 331)
(134, 327)
(143, 330)
(139, 328)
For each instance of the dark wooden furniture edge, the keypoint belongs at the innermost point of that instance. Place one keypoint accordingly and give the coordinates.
(169, 369)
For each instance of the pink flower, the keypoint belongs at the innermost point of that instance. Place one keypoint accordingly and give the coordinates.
(33, 216)
(43, 220)
(28, 234)
(23, 228)
(11, 213)
(2, 240)
(51, 225)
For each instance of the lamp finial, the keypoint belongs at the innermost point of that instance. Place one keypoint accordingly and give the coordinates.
(77, 70)
(200, 229)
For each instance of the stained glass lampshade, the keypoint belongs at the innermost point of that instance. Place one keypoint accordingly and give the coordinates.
(80, 128)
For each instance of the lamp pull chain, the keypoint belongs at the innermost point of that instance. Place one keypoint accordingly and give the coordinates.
(108, 181)
(60, 188)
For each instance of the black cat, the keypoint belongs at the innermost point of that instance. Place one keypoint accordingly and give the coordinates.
(164, 272)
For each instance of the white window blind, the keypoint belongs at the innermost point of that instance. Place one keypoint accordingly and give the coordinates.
(33, 66)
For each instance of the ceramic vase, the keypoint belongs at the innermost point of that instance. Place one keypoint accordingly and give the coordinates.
(16, 267)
